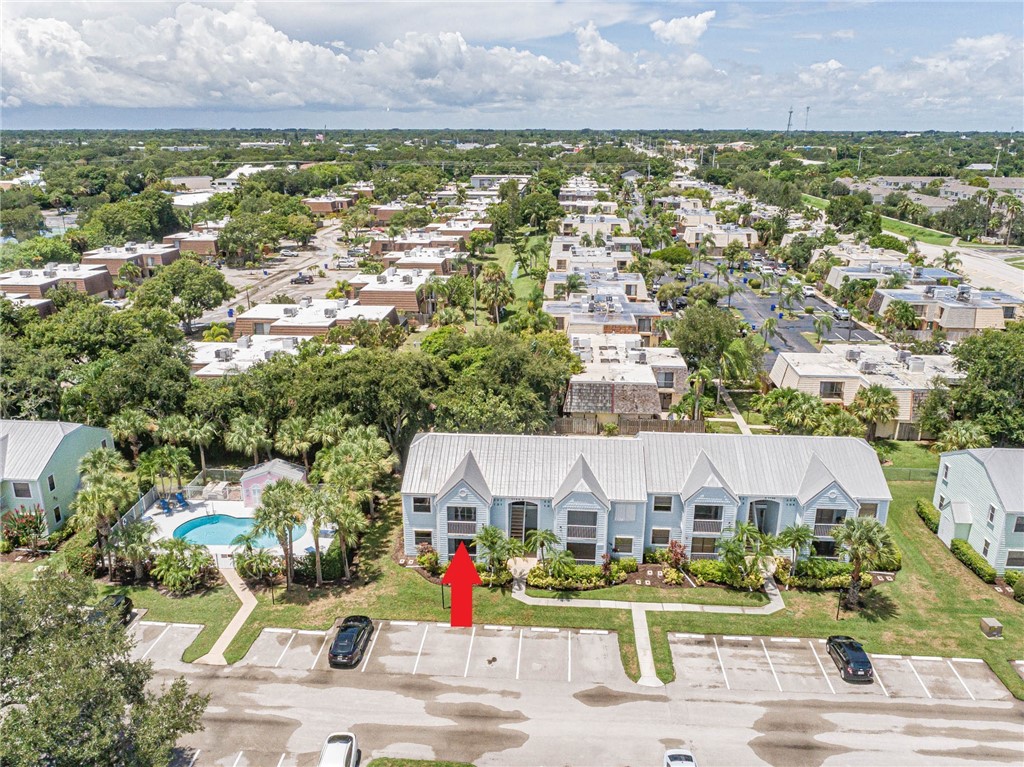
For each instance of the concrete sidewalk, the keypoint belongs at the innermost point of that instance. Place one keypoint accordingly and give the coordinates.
(216, 655)
(639, 610)
(736, 414)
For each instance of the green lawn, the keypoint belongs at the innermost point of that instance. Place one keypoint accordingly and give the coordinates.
(815, 202)
(630, 592)
(933, 607)
(722, 427)
(908, 455)
(742, 400)
(894, 226)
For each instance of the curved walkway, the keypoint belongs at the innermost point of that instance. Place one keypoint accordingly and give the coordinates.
(216, 655)
(639, 610)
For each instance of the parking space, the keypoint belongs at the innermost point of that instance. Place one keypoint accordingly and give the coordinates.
(162, 643)
(436, 649)
(794, 665)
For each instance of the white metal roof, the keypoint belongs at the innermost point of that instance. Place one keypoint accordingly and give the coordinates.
(27, 446)
(1005, 467)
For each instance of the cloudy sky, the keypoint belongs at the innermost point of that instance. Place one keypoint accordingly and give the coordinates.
(512, 64)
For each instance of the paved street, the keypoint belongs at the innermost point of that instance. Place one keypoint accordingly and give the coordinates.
(426, 690)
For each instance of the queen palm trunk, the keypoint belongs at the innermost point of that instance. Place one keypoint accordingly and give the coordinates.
(344, 560)
(202, 461)
(255, 456)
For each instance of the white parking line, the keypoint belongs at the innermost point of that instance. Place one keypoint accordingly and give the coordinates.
(543, 628)
(739, 639)
(974, 660)
(519, 655)
(404, 623)
(469, 654)
(420, 652)
(311, 633)
(888, 657)
(443, 625)
(771, 665)
(237, 759)
(925, 657)
(279, 631)
(369, 652)
(817, 658)
(921, 681)
(785, 639)
(152, 623)
(879, 680)
(688, 636)
(285, 650)
(960, 679)
(594, 631)
(569, 664)
(194, 757)
(491, 627)
(150, 649)
(317, 658)
(281, 760)
(720, 664)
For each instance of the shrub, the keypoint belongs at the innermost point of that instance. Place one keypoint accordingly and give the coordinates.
(502, 578)
(610, 430)
(330, 564)
(1011, 577)
(6, 547)
(582, 578)
(60, 535)
(80, 554)
(657, 556)
(755, 284)
(973, 560)
(24, 527)
(891, 563)
(628, 565)
(676, 555)
(829, 582)
(1018, 590)
(428, 559)
(674, 577)
(808, 310)
(928, 514)
(819, 567)
(714, 571)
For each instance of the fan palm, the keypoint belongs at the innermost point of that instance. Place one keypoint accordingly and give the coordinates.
(247, 434)
(961, 435)
(839, 423)
(279, 512)
(873, 405)
(201, 433)
(796, 538)
(100, 463)
(496, 296)
(574, 283)
(293, 439)
(134, 541)
(328, 426)
(540, 540)
(561, 564)
(172, 429)
(178, 461)
(218, 332)
(317, 506)
(373, 457)
(180, 565)
(864, 540)
(492, 545)
(127, 427)
(350, 523)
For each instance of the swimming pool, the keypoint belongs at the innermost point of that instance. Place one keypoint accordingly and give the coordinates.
(222, 529)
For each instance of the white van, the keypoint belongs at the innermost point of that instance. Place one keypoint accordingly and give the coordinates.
(340, 750)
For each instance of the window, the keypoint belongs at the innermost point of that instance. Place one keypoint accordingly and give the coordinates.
(626, 512)
(643, 324)
(663, 503)
(423, 536)
(1018, 526)
(824, 548)
(660, 536)
(631, 290)
(421, 505)
(1015, 558)
(623, 544)
(584, 552)
(462, 514)
(991, 515)
(453, 546)
(984, 549)
(945, 472)
(942, 501)
(261, 328)
(703, 545)
(50, 483)
(103, 443)
(22, 490)
(588, 518)
(56, 515)
(707, 512)
(831, 390)
(829, 516)
(868, 510)
(666, 379)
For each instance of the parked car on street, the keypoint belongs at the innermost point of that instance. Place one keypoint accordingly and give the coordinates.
(350, 642)
(808, 291)
(853, 663)
(340, 750)
(114, 606)
(302, 279)
(840, 313)
(679, 757)
(289, 253)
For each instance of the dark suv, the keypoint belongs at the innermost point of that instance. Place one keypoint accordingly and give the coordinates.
(116, 606)
(851, 660)
(302, 279)
(350, 642)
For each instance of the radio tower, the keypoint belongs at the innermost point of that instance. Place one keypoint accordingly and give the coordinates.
(789, 122)
(807, 116)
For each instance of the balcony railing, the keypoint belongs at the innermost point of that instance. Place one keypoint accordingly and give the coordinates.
(462, 528)
(703, 555)
(586, 532)
(707, 525)
(824, 531)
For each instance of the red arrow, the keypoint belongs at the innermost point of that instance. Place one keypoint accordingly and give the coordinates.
(462, 576)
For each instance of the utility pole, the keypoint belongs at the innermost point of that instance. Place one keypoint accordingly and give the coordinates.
(789, 122)
(999, 151)
(807, 116)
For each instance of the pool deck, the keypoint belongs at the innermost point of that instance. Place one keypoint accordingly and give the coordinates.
(166, 525)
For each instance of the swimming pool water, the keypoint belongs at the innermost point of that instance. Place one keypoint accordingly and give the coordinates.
(222, 529)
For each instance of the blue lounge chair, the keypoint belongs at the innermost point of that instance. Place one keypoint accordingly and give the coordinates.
(166, 506)
(182, 503)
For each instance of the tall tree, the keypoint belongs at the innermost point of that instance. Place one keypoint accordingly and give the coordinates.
(293, 439)
(279, 512)
(129, 426)
(873, 405)
(201, 433)
(864, 540)
(247, 434)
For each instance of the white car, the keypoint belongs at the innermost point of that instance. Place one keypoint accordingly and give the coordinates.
(808, 291)
(340, 750)
(114, 303)
(679, 757)
(289, 253)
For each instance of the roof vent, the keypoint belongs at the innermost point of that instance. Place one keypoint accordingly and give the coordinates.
(853, 355)
(243, 342)
(25, 272)
(407, 279)
(305, 302)
(291, 311)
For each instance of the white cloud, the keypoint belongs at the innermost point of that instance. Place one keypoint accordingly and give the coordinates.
(686, 30)
(839, 34)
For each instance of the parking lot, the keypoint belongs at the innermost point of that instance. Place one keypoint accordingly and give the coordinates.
(794, 665)
(162, 643)
(436, 649)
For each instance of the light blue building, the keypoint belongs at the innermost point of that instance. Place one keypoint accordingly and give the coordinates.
(980, 498)
(39, 465)
(620, 495)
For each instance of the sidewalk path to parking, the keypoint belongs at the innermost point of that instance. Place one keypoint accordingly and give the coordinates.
(736, 414)
(216, 655)
(639, 610)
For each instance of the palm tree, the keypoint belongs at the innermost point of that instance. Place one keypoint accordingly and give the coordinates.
(822, 325)
(97, 507)
(948, 260)
(796, 538)
(247, 434)
(178, 461)
(293, 439)
(201, 433)
(864, 540)
(279, 512)
(341, 289)
(769, 328)
(961, 435)
(101, 463)
(560, 564)
(698, 379)
(350, 523)
(180, 565)
(217, 332)
(317, 506)
(733, 364)
(172, 429)
(839, 423)
(328, 426)
(373, 457)
(128, 426)
(539, 540)
(873, 405)
(135, 542)
(574, 283)
(496, 295)
(492, 544)
(1013, 206)
(149, 468)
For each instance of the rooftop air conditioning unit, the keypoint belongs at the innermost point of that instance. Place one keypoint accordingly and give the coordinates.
(49, 272)
(244, 342)
(51, 265)
(149, 243)
(330, 313)
(305, 302)
(407, 279)
(269, 353)
(903, 356)
(224, 354)
(853, 355)
(75, 267)
(929, 290)
(867, 366)
(642, 358)
(291, 311)
(107, 248)
(342, 303)
(382, 279)
(963, 293)
(25, 272)
(129, 248)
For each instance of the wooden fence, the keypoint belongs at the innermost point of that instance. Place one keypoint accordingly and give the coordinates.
(627, 426)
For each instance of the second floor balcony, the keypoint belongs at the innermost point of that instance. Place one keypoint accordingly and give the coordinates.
(707, 526)
(581, 532)
(462, 528)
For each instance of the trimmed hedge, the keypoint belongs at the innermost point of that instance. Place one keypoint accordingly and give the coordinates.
(627, 564)
(928, 514)
(582, 578)
(963, 551)
(715, 571)
(1011, 577)
(1018, 590)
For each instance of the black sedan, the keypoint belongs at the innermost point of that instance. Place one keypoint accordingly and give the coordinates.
(115, 606)
(853, 663)
(350, 642)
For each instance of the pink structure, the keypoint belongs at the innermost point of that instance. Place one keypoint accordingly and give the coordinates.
(262, 474)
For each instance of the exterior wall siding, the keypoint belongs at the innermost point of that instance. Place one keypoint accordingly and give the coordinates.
(968, 481)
